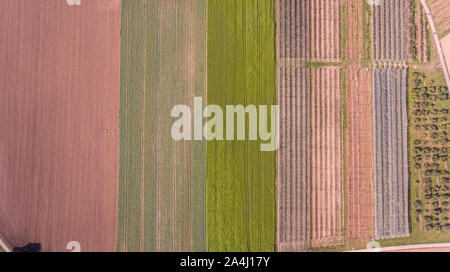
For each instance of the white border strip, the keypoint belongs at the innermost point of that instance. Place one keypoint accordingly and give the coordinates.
(407, 247)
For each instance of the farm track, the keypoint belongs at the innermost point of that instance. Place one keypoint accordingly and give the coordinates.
(162, 182)
(360, 194)
(390, 138)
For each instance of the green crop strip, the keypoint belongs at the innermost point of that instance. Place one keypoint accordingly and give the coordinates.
(241, 178)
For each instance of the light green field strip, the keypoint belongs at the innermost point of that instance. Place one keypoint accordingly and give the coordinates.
(161, 181)
(240, 178)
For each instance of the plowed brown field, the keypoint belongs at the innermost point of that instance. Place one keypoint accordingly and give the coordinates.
(59, 107)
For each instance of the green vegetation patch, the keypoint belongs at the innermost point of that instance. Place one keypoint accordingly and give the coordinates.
(241, 178)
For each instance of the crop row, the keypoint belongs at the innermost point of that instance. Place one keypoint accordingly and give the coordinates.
(390, 31)
(390, 149)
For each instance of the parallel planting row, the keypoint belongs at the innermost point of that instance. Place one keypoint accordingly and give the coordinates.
(309, 29)
(310, 178)
(360, 193)
(389, 32)
(390, 149)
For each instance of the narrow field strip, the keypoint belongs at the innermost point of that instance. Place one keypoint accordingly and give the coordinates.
(360, 193)
(240, 178)
(162, 182)
(391, 162)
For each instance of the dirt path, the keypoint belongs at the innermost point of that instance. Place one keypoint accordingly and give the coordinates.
(59, 127)
(438, 247)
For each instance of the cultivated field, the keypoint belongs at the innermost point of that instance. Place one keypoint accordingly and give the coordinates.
(294, 183)
(241, 178)
(59, 103)
(359, 157)
(162, 182)
(390, 148)
(326, 158)
(440, 10)
(418, 32)
(310, 177)
(311, 29)
(310, 158)
(357, 30)
(389, 32)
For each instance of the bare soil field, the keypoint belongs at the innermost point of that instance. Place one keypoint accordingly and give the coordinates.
(360, 194)
(59, 103)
